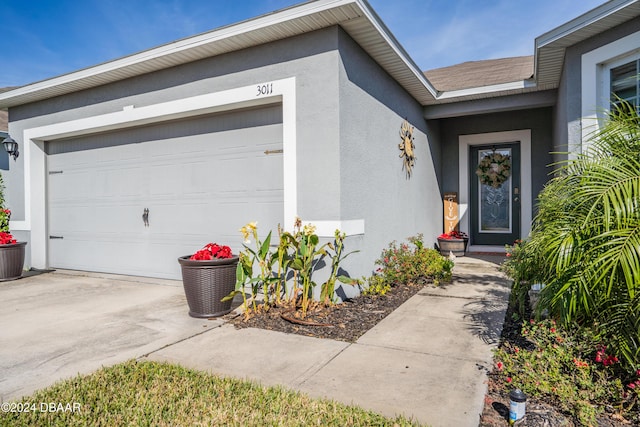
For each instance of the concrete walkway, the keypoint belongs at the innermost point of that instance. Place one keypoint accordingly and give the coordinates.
(427, 360)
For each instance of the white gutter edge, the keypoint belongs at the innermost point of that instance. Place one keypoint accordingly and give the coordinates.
(518, 85)
(222, 33)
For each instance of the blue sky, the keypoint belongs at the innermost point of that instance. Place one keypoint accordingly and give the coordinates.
(46, 38)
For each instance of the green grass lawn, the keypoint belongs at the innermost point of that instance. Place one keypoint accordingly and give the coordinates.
(158, 394)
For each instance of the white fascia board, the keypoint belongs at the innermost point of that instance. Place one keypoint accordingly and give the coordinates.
(179, 45)
(609, 8)
(519, 85)
(395, 45)
(550, 37)
(214, 36)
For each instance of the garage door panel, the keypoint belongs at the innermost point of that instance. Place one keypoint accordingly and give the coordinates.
(74, 219)
(117, 182)
(164, 179)
(198, 188)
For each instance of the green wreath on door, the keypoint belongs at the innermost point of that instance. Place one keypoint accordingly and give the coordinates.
(494, 169)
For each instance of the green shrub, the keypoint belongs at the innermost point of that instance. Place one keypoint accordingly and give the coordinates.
(409, 263)
(585, 240)
(376, 285)
(520, 265)
(571, 368)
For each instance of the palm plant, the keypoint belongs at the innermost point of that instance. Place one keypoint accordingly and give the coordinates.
(587, 236)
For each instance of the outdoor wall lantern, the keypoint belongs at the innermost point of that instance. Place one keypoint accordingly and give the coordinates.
(11, 147)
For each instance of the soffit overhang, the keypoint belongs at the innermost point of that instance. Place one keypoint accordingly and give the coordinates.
(550, 47)
(356, 17)
(361, 22)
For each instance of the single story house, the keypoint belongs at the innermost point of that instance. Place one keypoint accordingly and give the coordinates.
(315, 111)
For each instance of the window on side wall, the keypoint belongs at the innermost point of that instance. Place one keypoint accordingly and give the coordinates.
(625, 84)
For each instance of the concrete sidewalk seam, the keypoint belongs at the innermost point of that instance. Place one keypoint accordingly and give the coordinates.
(181, 340)
(423, 353)
(312, 372)
(445, 296)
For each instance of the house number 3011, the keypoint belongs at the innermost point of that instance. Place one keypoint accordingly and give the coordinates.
(266, 89)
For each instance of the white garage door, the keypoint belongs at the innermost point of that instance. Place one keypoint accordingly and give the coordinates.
(200, 179)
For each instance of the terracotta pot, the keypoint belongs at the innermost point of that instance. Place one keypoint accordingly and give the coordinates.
(456, 246)
(206, 283)
(12, 261)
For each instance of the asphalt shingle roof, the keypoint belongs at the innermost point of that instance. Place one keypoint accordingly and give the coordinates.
(474, 74)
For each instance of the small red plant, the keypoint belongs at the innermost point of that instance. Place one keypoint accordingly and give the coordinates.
(604, 358)
(211, 251)
(6, 238)
(453, 234)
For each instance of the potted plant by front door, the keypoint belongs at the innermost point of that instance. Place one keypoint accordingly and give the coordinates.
(453, 242)
(208, 276)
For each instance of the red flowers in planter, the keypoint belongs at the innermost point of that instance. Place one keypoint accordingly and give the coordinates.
(211, 251)
(454, 234)
(6, 238)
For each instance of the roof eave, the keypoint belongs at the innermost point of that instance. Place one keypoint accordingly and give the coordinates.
(368, 32)
(550, 47)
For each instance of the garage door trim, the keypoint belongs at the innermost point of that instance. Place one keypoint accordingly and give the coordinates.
(262, 93)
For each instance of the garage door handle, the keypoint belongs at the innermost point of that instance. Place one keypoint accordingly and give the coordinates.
(145, 217)
(56, 237)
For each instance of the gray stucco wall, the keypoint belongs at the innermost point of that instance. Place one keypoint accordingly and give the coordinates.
(538, 120)
(374, 187)
(567, 122)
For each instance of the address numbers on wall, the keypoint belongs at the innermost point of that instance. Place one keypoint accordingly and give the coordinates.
(265, 89)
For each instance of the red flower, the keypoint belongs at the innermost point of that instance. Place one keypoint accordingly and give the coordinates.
(6, 238)
(211, 251)
(604, 358)
(453, 234)
(500, 366)
(580, 363)
(509, 379)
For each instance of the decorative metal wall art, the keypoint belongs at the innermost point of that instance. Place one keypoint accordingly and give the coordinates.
(407, 147)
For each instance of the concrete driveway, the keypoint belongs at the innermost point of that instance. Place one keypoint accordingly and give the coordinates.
(59, 324)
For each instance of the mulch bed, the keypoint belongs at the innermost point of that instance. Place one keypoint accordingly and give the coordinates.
(347, 321)
(350, 320)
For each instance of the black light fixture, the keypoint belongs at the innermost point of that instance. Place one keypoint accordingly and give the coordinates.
(11, 147)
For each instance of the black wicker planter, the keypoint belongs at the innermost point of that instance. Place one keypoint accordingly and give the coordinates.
(11, 261)
(206, 283)
(456, 246)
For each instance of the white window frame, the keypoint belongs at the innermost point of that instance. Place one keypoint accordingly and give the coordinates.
(614, 64)
(596, 80)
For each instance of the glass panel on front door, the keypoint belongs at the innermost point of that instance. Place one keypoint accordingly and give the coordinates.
(494, 210)
(495, 194)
